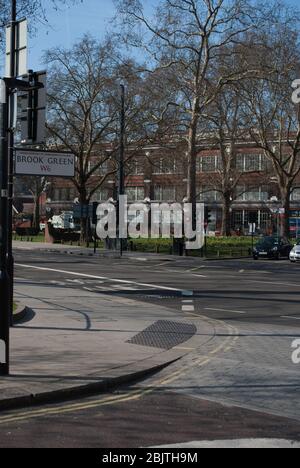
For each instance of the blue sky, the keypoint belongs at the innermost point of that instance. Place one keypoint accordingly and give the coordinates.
(69, 24)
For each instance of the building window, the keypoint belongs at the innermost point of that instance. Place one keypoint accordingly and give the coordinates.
(264, 220)
(135, 167)
(252, 163)
(165, 166)
(252, 195)
(164, 193)
(101, 170)
(100, 195)
(238, 219)
(207, 195)
(135, 193)
(245, 194)
(209, 163)
(64, 194)
(249, 162)
(266, 163)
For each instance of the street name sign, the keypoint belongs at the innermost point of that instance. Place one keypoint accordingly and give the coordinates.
(44, 163)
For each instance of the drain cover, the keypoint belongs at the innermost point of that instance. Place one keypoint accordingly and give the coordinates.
(164, 334)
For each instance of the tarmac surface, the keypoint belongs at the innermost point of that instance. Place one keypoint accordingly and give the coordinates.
(235, 384)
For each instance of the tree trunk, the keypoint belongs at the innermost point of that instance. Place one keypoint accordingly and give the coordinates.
(285, 219)
(226, 217)
(84, 202)
(36, 213)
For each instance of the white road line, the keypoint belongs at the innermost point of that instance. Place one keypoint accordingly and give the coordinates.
(188, 308)
(84, 275)
(290, 317)
(200, 276)
(275, 283)
(187, 301)
(225, 310)
(125, 288)
(57, 283)
(74, 281)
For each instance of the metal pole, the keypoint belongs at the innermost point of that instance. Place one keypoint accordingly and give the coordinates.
(11, 154)
(121, 159)
(4, 221)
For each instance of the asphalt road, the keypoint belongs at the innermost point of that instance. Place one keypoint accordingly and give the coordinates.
(249, 389)
(251, 292)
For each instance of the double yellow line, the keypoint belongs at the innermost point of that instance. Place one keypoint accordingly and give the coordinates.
(129, 396)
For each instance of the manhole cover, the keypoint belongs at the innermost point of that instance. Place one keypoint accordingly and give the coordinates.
(164, 334)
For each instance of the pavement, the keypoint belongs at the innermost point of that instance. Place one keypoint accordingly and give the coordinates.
(99, 320)
(239, 444)
(75, 341)
(89, 252)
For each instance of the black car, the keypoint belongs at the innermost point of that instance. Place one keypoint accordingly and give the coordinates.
(272, 247)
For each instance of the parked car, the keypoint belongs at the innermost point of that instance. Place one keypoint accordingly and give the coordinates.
(272, 247)
(295, 253)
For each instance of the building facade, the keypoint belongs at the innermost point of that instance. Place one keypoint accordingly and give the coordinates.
(160, 174)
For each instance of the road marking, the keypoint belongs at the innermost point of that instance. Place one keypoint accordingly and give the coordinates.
(125, 288)
(200, 276)
(188, 308)
(188, 301)
(74, 281)
(84, 275)
(139, 259)
(184, 348)
(178, 374)
(195, 269)
(133, 395)
(275, 283)
(57, 283)
(225, 310)
(290, 317)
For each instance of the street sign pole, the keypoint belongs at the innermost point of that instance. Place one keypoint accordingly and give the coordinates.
(4, 222)
(121, 161)
(10, 258)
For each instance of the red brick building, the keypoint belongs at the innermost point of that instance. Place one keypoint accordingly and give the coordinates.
(159, 173)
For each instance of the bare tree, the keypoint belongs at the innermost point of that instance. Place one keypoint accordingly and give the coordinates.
(84, 108)
(188, 38)
(36, 187)
(228, 126)
(275, 119)
(33, 9)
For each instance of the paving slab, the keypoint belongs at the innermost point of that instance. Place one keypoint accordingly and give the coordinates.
(74, 341)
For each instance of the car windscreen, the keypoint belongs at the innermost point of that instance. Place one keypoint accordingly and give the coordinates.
(267, 243)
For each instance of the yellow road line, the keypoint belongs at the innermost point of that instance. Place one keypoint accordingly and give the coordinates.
(74, 406)
(130, 396)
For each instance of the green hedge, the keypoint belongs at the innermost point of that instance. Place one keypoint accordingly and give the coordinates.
(216, 246)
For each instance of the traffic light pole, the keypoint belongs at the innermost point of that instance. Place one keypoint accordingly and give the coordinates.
(4, 223)
(121, 161)
(10, 258)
